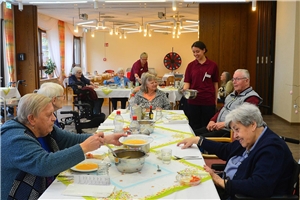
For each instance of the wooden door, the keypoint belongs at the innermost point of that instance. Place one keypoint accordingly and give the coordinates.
(265, 53)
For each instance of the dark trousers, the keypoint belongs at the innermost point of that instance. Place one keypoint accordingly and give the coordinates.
(183, 105)
(114, 102)
(98, 105)
(206, 133)
(199, 116)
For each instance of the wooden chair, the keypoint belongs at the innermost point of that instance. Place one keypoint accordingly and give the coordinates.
(170, 81)
(213, 159)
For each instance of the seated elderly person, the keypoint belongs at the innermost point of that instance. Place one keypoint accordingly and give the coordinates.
(56, 93)
(29, 167)
(149, 94)
(259, 164)
(121, 81)
(77, 81)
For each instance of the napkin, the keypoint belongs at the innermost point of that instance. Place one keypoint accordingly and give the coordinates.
(88, 190)
(106, 91)
(191, 151)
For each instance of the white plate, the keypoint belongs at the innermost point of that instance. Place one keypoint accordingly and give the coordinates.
(94, 161)
(148, 140)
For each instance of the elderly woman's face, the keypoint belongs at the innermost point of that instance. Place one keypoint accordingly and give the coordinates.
(244, 134)
(152, 85)
(58, 101)
(43, 123)
(121, 74)
(78, 74)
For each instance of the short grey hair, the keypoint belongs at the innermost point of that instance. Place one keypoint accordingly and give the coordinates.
(120, 70)
(227, 76)
(75, 70)
(246, 114)
(146, 77)
(245, 73)
(31, 103)
(51, 89)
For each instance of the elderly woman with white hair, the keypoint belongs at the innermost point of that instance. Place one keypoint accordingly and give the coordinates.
(121, 81)
(259, 163)
(77, 81)
(56, 93)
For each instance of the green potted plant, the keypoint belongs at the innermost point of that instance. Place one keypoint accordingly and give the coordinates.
(50, 67)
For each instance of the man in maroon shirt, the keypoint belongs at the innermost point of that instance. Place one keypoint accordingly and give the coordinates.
(139, 67)
(242, 93)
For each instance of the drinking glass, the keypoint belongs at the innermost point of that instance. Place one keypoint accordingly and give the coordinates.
(158, 114)
(166, 155)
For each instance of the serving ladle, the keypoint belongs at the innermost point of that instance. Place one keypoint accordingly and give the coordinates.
(112, 151)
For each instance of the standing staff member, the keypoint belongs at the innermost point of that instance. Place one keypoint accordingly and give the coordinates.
(202, 75)
(139, 67)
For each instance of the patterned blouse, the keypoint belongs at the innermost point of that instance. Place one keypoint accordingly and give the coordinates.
(160, 100)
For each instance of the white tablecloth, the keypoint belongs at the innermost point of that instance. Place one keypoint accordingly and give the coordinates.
(149, 183)
(106, 92)
(9, 92)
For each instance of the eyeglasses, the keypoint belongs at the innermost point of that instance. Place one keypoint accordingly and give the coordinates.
(238, 79)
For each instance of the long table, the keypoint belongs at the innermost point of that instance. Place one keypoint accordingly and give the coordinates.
(106, 92)
(149, 183)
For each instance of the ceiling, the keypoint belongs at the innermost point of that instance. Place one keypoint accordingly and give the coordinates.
(124, 17)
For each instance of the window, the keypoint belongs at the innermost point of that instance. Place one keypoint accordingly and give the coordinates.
(43, 49)
(77, 51)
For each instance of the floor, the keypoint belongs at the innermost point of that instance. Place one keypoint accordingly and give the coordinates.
(277, 124)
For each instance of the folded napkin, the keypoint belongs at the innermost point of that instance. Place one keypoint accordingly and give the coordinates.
(88, 190)
(191, 151)
(106, 91)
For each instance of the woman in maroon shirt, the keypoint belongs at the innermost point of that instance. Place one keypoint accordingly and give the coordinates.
(139, 67)
(202, 75)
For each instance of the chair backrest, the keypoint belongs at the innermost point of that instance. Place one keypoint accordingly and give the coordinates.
(66, 82)
(170, 80)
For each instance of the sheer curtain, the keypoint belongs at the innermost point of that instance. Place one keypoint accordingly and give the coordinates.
(50, 25)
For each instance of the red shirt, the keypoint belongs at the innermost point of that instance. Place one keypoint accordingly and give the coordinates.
(138, 69)
(202, 78)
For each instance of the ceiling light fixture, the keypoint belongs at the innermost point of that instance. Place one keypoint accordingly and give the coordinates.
(56, 2)
(253, 5)
(20, 5)
(174, 5)
(87, 22)
(95, 4)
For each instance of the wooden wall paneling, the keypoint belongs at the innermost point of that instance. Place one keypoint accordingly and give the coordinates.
(210, 29)
(251, 44)
(26, 42)
(265, 54)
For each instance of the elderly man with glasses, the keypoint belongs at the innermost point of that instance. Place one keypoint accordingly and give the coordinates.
(243, 92)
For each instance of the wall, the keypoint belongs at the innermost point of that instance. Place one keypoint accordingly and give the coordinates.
(287, 74)
(124, 52)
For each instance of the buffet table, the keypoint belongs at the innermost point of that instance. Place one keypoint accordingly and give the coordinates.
(149, 183)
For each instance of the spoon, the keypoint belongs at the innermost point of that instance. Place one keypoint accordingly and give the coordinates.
(112, 151)
(158, 169)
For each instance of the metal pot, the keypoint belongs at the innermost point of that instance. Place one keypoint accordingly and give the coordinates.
(130, 160)
(190, 94)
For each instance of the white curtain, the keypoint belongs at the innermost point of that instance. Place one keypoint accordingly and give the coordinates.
(50, 25)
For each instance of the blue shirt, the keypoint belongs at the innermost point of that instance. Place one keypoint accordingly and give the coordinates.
(235, 161)
(117, 80)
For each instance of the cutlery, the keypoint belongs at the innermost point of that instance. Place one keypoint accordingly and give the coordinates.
(158, 169)
(187, 158)
(112, 151)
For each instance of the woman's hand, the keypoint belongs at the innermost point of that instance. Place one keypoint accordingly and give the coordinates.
(92, 143)
(219, 125)
(187, 142)
(215, 177)
(114, 138)
(211, 126)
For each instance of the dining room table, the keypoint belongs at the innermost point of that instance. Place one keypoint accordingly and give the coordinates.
(156, 179)
(107, 92)
(9, 97)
